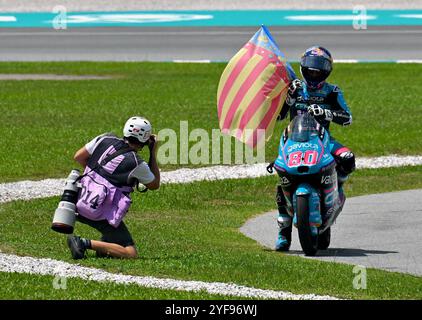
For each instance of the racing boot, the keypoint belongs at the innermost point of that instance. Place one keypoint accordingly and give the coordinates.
(284, 238)
(284, 222)
(341, 179)
(346, 165)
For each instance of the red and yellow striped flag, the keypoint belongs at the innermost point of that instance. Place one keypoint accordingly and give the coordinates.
(252, 90)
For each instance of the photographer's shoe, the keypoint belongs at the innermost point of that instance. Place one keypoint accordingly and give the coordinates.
(76, 246)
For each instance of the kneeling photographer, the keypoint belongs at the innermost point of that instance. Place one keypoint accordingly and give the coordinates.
(112, 170)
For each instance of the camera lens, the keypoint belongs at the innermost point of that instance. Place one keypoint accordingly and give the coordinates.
(70, 196)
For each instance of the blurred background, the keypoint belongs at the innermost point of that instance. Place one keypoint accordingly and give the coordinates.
(167, 30)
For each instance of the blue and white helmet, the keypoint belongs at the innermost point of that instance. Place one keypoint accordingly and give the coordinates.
(137, 127)
(316, 65)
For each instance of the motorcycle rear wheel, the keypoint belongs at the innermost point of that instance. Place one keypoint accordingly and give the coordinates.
(308, 242)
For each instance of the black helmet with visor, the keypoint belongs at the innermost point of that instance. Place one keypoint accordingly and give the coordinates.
(316, 65)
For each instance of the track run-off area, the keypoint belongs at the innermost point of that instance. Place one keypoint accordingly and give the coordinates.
(371, 231)
(263, 231)
(42, 266)
(28, 190)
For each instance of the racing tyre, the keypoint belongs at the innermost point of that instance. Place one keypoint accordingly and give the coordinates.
(324, 239)
(308, 242)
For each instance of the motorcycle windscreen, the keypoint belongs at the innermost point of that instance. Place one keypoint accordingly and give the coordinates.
(303, 128)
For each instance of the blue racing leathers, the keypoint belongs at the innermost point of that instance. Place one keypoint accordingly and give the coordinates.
(327, 97)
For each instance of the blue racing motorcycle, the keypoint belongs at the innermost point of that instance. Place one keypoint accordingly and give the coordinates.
(308, 179)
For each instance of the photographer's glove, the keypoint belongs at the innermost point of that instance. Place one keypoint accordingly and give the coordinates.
(292, 93)
(320, 113)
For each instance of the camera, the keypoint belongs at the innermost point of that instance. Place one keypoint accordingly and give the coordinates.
(65, 214)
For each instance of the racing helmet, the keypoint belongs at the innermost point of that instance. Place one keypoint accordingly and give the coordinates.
(315, 66)
(138, 128)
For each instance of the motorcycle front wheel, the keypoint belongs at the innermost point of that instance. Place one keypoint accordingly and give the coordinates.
(308, 242)
(324, 239)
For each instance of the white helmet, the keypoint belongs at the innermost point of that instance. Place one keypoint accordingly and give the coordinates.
(137, 127)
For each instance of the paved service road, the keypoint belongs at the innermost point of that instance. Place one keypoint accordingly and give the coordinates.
(216, 44)
(379, 231)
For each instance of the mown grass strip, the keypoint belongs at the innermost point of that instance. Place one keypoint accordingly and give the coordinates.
(45, 122)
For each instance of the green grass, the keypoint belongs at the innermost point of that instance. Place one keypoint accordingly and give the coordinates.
(33, 286)
(45, 122)
(191, 232)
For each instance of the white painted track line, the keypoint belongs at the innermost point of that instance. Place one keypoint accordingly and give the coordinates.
(42, 266)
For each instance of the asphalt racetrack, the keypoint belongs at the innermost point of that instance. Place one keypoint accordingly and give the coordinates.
(203, 43)
(382, 231)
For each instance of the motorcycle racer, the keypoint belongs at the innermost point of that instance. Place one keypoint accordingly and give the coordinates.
(326, 102)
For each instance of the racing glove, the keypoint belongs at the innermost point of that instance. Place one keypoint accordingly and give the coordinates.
(292, 92)
(320, 113)
(294, 86)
